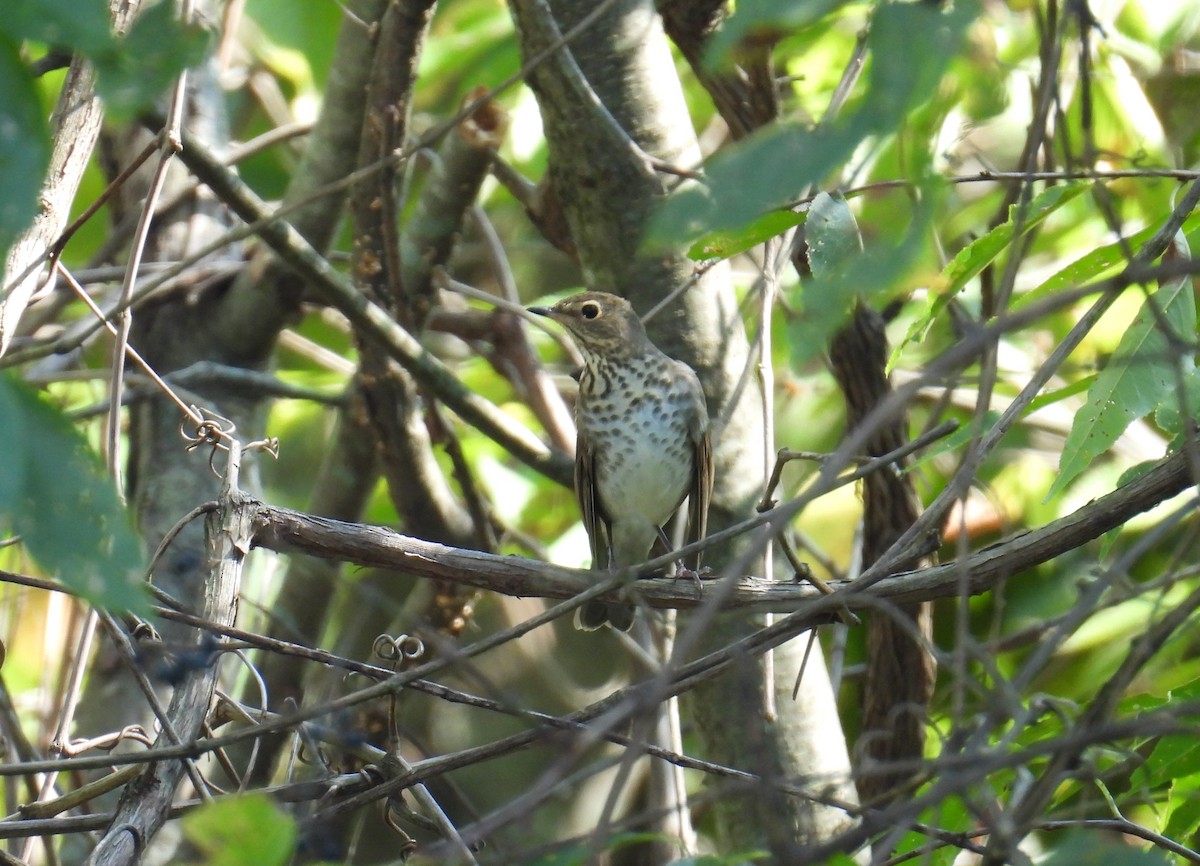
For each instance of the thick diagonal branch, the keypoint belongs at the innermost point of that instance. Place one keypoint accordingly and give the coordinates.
(288, 531)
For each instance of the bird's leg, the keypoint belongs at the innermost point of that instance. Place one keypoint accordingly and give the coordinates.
(682, 570)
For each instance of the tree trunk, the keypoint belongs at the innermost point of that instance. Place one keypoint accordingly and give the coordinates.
(900, 671)
(607, 102)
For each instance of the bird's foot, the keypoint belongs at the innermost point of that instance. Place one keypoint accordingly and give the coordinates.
(696, 576)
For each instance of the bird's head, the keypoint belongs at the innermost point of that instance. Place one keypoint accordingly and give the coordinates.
(602, 324)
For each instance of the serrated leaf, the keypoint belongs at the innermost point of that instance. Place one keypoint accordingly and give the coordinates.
(24, 147)
(723, 244)
(246, 830)
(1139, 377)
(66, 508)
(138, 69)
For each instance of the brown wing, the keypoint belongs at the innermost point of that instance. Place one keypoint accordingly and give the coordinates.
(595, 521)
(700, 493)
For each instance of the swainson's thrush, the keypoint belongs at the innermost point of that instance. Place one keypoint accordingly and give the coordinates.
(643, 440)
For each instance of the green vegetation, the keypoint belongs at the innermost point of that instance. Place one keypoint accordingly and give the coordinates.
(1007, 189)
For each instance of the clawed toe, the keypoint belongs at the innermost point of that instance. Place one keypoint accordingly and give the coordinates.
(694, 575)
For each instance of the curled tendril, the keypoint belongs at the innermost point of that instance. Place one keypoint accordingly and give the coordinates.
(407, 843)
(270, 445)
(401, 648)
(209, 431)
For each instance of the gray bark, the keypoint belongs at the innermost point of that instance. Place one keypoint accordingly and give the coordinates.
(231, 325)
(76, 123)
(165, 481)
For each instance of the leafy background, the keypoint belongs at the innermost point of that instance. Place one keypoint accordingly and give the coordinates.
(937, 106)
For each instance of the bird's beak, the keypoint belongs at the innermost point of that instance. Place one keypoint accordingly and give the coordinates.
(541, 311)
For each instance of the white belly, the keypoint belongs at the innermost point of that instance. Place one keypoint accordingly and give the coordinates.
(640, 426)
(649, 484)
(643, 466)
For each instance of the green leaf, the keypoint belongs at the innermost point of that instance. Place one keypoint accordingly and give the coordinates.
(1175, 756)
(958, 439)
(948, 814)
(242, 831)
(1138, 378)
(763, 21)
(723, 244)
(981, 252)
(80, 25)
(1085, 268)
(764, 171)
(910, 45)
(841, 274)
(24, 146)
(1095, 263)
(1169, 415)
(13, 471)
(1081, 848)
(978, 254)
(833, 236)
(1183, 808)
(58, 498)
(136, 72)
(1057, 395)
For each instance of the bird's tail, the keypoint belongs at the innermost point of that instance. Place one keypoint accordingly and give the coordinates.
(595, 614)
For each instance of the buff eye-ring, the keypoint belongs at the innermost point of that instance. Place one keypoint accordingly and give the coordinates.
(590, 310)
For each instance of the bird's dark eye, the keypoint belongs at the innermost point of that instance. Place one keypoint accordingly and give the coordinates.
(590, 310)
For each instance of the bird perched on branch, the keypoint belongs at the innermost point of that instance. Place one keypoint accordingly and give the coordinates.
(643, 441)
